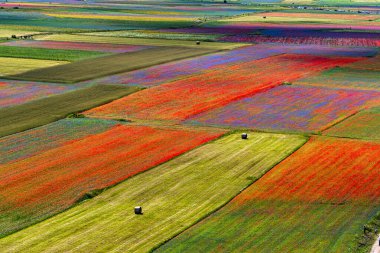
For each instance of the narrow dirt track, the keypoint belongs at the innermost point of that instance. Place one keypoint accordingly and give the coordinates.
(376, 246)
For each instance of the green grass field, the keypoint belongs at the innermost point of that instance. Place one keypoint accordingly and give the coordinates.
(151, 34)
(174, 196)
(40, 112)
(47, 54)
(275, 226)
(13, 66)
(108, 65)
(363, 125)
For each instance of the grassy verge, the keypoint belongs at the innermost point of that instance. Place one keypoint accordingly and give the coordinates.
(40, 112)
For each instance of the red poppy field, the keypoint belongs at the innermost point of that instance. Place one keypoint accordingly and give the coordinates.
(39, 186)
(181, 99)
(190, 126)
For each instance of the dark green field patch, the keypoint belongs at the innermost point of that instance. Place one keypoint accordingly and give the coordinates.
(47, 54)
(47, 110)
(108, 65)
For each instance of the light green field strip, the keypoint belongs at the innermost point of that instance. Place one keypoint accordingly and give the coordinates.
(174, 196)
(13, 66)
(139, 41)
(152, 34)
(7, 33)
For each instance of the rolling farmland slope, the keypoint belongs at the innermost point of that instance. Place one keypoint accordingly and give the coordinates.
(173, 195)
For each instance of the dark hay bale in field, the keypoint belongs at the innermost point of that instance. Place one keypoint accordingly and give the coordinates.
(198, 42)
(264, 17)
(244, 136)
(138, 210)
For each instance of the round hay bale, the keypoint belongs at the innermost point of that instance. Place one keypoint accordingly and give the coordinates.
(198, 42)
(244, 136)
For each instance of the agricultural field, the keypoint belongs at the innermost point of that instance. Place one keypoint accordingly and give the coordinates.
(317, 200)
(214, 88)
(18, 92)
(96, 161)
(290, 108)
(49, 109)
(94, 47)
(47, 54)
(107, 65)
(190, 126)
(345, 78)
(362, 125)
(171, 204)
(13, 66)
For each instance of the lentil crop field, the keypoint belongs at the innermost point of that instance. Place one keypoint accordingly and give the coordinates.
(190, 126)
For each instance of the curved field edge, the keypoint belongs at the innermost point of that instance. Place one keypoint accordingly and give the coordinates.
(298, 206)
(170, 205)
(43, 111)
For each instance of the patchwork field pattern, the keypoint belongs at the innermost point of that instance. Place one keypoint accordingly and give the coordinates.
(185, 68)
(209, 177)
(28, 143)
(290, 108)
(47, 183)
(345, 78)
(46, 110)
(107, 65)
(100, 47)
(318, 199)
(181, 99)
(18, 92)
(363, 125)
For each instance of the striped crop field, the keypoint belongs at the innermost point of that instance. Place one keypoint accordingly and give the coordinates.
(47, 183)
(181, 69)
(363, 125)
(111, 64)
(49, 109)
(290, 108)
(18, 92)
(181, 99)
(34, 141)
(348, 78)
(99, 47)
(174, 196)
(139, 41)
(14, 66)
(305, 18)
(347, 42)
(317, 200)
(121, 17)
